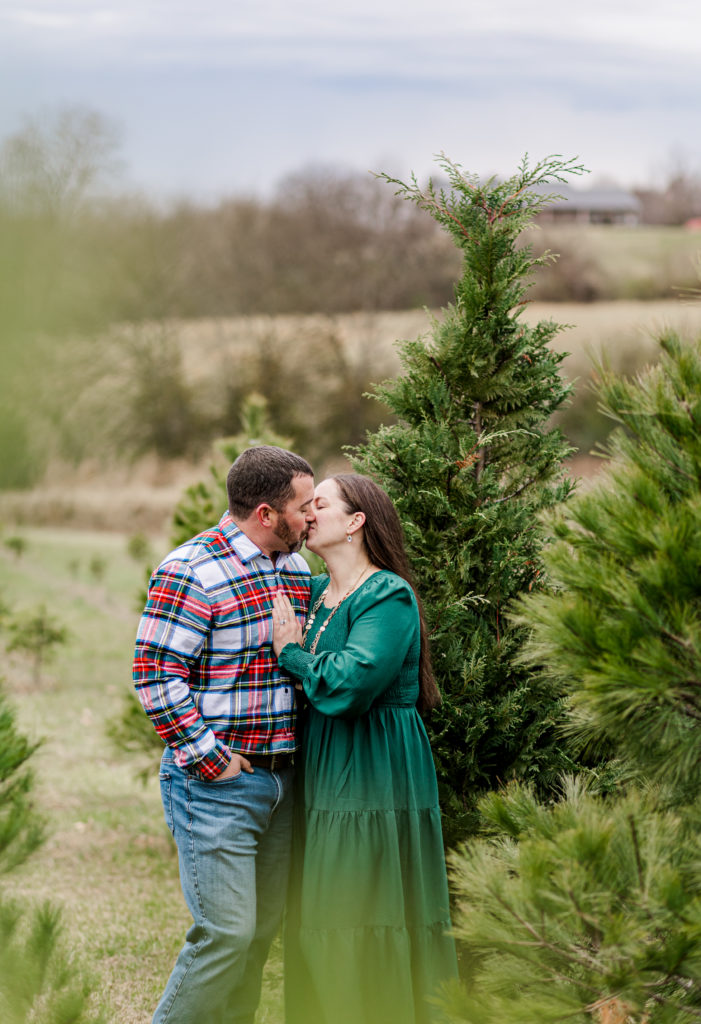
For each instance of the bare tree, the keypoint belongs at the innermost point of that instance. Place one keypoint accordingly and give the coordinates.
(678, 199)
(58, 161)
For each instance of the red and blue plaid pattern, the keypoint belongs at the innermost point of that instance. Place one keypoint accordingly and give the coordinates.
(204, 668)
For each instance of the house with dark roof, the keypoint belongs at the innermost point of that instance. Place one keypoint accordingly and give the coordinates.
(590, 206)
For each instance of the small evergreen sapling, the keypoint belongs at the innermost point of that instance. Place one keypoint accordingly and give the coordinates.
(469, 465)
(16, 544)
(138, 547)
(37, 634)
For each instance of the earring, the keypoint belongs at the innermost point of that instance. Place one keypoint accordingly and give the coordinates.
(350, 539)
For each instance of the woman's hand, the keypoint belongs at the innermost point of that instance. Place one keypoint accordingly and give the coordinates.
(286, 629)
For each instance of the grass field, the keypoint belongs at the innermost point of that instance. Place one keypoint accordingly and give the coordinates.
(611, 263)
(109, 860)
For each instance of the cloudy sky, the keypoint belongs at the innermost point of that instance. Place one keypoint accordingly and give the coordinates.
(218, 97)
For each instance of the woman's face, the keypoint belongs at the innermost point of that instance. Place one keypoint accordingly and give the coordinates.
(328, 518)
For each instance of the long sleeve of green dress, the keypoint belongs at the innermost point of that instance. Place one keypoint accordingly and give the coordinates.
(383, 626)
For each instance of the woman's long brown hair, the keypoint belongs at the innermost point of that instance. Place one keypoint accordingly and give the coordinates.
(384, 543)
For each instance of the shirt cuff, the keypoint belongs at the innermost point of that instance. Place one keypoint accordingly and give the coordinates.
(295, 660)
(213, 763)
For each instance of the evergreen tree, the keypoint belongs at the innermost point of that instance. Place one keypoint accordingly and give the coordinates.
(470, 464)
(591, 908)
(21, 830)
(39, 984)
(585, 911)
(625, 623)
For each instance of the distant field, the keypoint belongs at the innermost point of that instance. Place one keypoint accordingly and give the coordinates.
(106, 492)
(608, 263)
(646, 254)
(622, 330)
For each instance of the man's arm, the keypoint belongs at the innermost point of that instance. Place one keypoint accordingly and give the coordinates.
(171, 635)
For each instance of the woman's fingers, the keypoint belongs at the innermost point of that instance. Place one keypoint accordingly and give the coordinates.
(282, 607)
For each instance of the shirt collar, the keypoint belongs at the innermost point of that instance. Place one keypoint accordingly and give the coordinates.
(244, 547)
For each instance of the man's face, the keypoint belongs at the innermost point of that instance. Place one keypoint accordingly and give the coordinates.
(291, 526)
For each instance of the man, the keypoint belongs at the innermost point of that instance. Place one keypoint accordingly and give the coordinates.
(206, 675)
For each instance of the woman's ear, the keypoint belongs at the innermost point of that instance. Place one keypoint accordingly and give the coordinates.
(356, 522)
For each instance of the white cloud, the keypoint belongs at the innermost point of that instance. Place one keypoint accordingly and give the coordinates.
(673, 27)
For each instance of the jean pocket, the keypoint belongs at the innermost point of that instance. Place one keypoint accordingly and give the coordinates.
(166, 796)
(218, 781)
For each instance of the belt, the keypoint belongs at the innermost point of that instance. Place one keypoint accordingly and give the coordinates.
(273, 762)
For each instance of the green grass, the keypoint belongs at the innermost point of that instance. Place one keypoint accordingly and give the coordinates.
(646, 261)
(616, 263)
(109, 860)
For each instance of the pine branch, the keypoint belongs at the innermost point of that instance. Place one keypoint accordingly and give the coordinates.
(481, 462)
(691, 711)
(680, 640)
(578, 957)
(636, 850)
(592, 928)
(514, 494)
(661, 1000)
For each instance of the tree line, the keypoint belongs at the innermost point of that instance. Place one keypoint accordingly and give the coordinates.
(326, 241)
(78, 250)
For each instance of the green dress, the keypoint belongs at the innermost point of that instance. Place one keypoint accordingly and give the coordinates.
(366, 935)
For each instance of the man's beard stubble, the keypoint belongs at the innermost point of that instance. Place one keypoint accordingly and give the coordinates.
(294, 541)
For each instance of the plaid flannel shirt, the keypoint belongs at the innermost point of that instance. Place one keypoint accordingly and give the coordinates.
(204, 668)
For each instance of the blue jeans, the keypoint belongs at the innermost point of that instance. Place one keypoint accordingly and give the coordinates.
(233, 840)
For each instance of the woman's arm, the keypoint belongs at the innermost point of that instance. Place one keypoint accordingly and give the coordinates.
(345, 683)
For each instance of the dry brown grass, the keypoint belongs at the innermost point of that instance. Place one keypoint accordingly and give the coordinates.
(140, 496)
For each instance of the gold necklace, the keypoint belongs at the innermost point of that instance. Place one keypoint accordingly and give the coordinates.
(317, 606)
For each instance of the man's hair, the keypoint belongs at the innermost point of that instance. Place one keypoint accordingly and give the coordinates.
(263, 474)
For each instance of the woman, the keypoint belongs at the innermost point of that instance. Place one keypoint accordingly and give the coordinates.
(367, 925)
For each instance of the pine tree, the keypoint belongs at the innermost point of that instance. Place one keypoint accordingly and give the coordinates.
(628, 555)
(591, 908)
(470, 464)
(585, 911)
(39, 983)
(21, 830)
